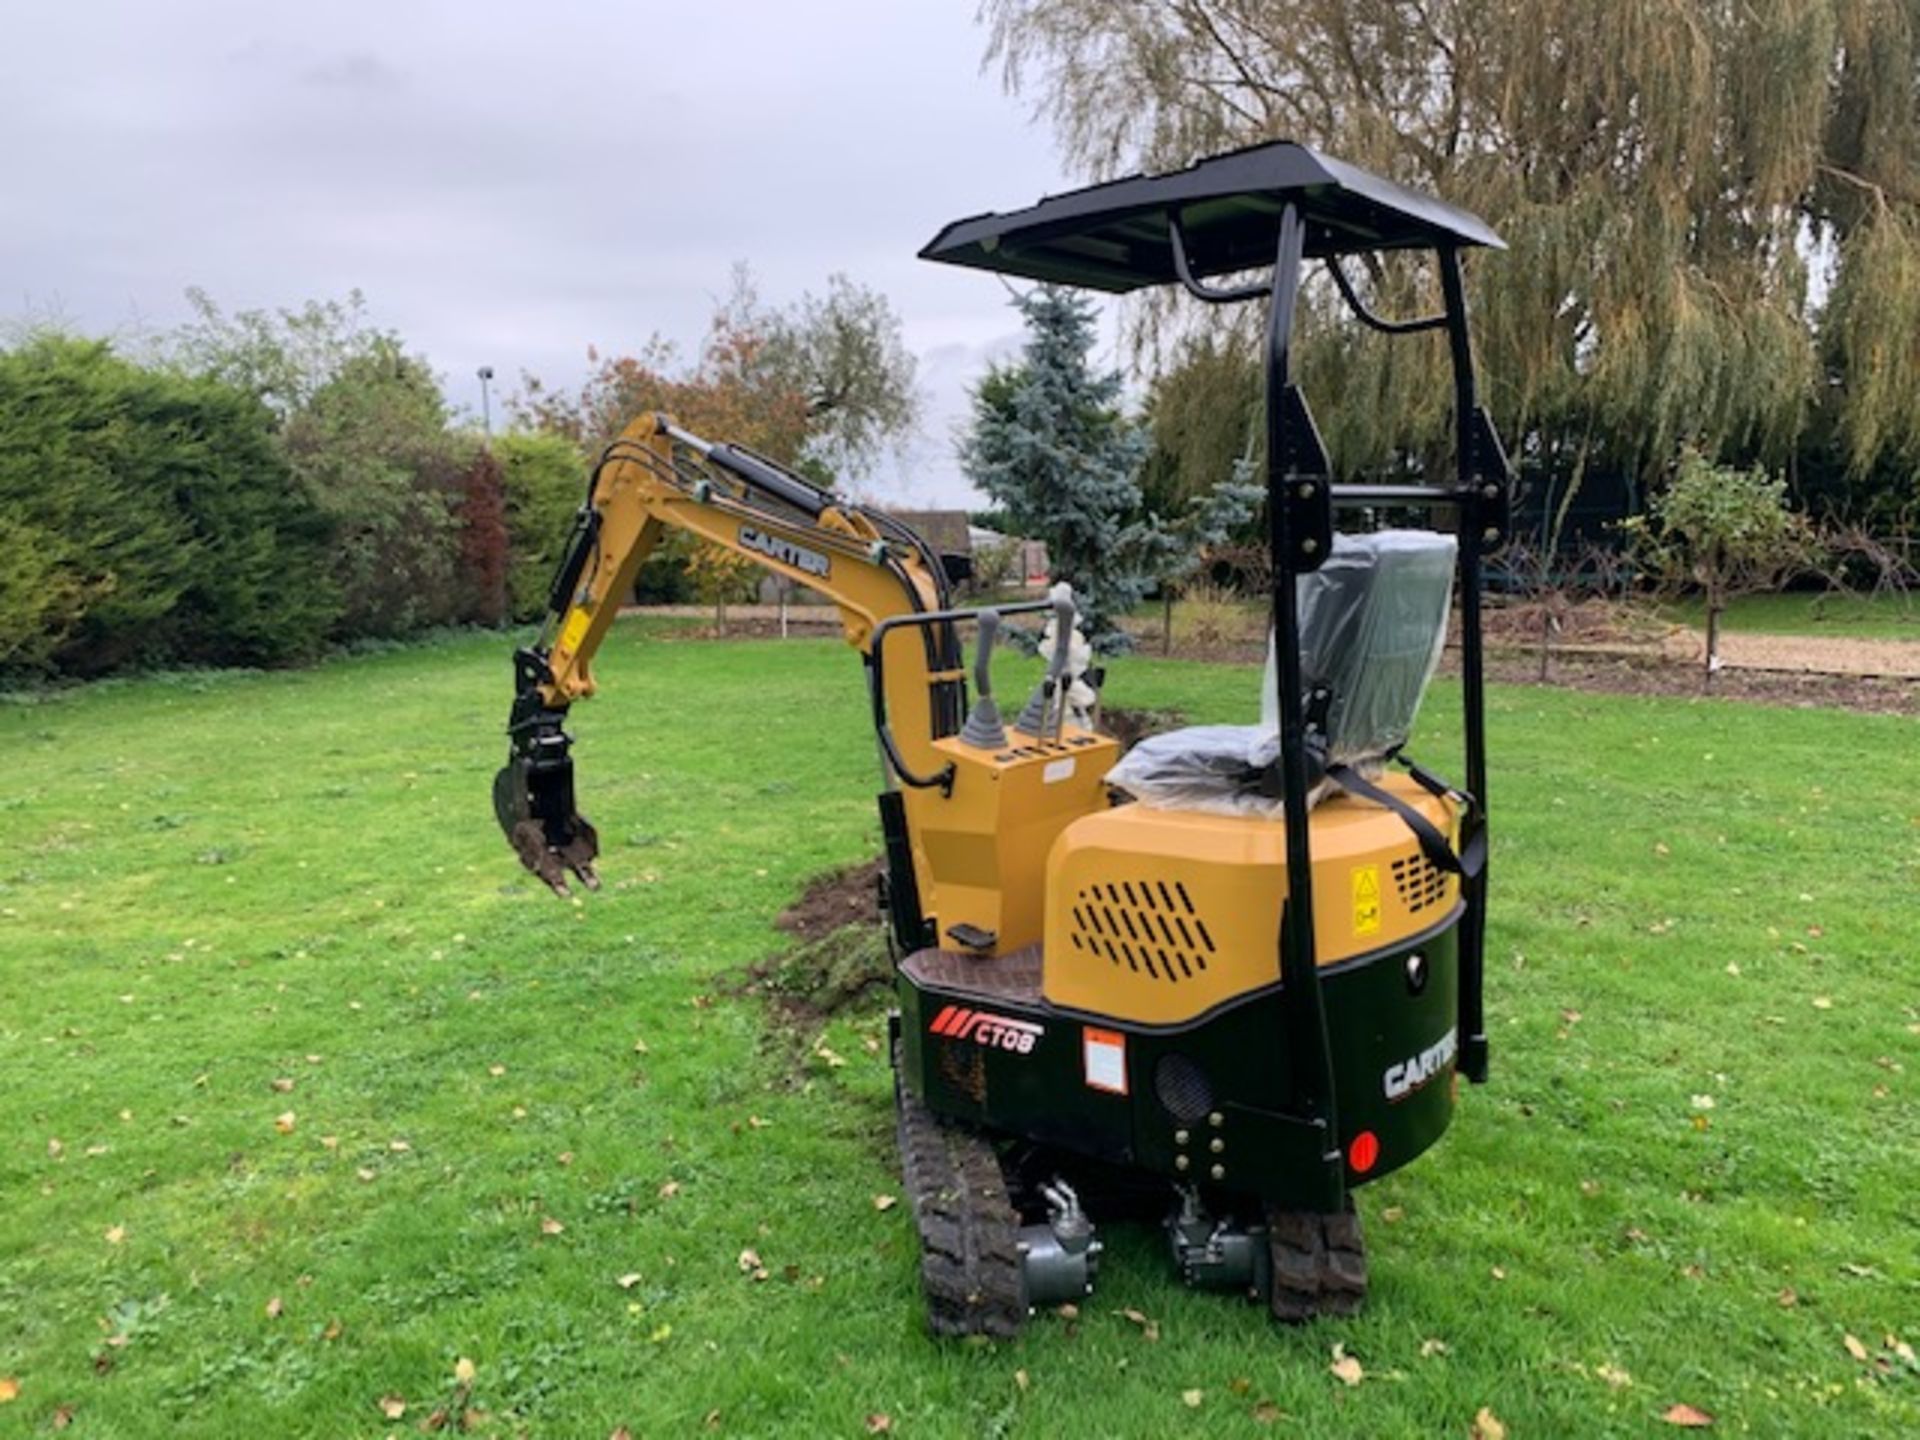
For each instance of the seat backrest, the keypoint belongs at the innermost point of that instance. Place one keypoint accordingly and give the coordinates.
(1373, 622)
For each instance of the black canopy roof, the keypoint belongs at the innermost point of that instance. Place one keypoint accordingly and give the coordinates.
(1115, 236)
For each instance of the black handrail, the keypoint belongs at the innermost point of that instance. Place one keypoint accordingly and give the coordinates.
(1176, 236)
(1371, 320)
(876, 684)
(1311, 1050)
(1485, 492)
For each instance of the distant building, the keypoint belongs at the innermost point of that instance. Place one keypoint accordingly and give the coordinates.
(947, 531)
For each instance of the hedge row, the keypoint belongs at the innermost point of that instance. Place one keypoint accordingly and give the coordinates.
(152, 517)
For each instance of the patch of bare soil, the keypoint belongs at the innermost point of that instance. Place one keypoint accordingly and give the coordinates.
(838, 964)
(1130, 726)
(841, 897)
(1643, 676)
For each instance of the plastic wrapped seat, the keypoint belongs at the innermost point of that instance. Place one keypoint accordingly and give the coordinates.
(1373, 623)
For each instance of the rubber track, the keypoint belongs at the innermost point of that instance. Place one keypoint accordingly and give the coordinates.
(1319, 1264)
(969, 1266)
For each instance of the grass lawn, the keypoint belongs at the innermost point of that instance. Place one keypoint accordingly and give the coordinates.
(1865, 617)
(311, 1099)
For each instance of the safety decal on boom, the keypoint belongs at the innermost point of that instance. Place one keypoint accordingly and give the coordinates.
(1366, 899)
(575, 629)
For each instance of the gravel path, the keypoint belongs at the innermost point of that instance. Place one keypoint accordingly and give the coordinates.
(1808, 654)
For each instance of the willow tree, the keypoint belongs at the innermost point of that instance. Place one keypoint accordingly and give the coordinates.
(1713, 208)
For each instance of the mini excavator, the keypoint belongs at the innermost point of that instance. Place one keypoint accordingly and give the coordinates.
(1230, 978)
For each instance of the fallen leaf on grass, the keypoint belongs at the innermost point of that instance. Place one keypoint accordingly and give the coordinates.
(1266, 1412)
(1823, 1002)
(628, 1280)
(332, 1332)
(885, 1202)
(393, 1406)
(1346, 1368)
(1487, 1426)
(620, 1432)
(364, 1175)
(496, 1071)
(329, 1142)
(399, 1147)
(670, 1189)
(283, 1122)
(434, 1423)
(1240, 1385)
(115, 1234)
(1687, 1417)
(63, 1417)
(1022, 1379)
(661, 1335)
(284, 1084)
(54, 1147)
(1393, 1214)
(1614, 1376)
(9, 1389)
(551, 1226)
(1192, 1398)
(1430, 1348)
(464, 1371)
(1855, 1348)
(274, 1308)
(879, 1423)
(1787, 1298)
(1149, 1327)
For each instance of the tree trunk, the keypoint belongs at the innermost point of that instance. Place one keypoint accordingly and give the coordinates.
(719, 615)
(1546, 639)
(1714, 607)
(1166, 622)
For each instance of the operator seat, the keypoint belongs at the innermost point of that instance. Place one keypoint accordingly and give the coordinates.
(1373, 622)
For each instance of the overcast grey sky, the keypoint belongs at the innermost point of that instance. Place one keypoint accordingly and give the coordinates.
(510, 182)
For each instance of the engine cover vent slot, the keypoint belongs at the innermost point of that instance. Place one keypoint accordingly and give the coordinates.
(1144, 926)
(1421, 883)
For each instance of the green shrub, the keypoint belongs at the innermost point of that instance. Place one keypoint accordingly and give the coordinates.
(373, 450)
(544, 477)
(148, 519)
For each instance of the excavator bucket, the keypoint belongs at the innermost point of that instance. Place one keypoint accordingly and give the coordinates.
(533, 800)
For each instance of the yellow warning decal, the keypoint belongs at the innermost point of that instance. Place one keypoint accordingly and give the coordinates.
(1366, 899)
(574, 631)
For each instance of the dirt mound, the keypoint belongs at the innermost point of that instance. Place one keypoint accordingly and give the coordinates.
(1130, 726)
(839, 898)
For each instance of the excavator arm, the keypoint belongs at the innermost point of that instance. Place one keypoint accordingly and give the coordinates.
(657, 477)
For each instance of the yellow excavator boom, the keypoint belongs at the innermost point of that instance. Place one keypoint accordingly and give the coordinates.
(656, 477)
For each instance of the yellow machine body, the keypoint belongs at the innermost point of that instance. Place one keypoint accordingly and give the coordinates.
(986, 845)
(1157, 916)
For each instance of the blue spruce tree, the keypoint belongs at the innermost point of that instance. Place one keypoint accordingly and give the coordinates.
(1050, 445)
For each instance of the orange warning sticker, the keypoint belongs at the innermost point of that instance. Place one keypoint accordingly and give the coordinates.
(1105, 1054)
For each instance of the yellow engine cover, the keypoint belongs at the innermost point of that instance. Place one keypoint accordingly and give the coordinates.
(1157, 916)
(986, 845)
